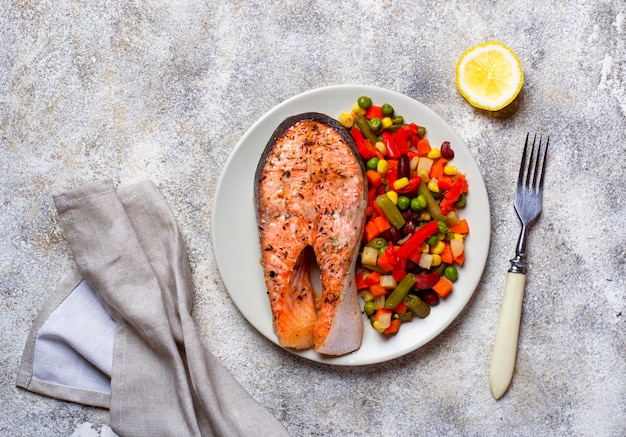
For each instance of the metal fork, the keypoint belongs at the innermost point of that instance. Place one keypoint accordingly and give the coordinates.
(528, 197)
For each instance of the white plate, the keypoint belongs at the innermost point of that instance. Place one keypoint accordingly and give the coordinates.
(235, 237)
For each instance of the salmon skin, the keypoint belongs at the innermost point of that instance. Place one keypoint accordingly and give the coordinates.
(311, 191)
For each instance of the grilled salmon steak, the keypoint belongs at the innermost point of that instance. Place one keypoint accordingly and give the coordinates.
(311, 191)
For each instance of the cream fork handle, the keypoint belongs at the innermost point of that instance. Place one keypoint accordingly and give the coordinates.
(507, 334)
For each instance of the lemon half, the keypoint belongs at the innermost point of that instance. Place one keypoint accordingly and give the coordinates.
(489, 75)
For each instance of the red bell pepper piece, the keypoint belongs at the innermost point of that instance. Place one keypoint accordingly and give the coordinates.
(392, 173)
(374, 112)
(366, 149)
(416, 239)
(402, 138)
(413, 184)
(390, 143)
(451, 196)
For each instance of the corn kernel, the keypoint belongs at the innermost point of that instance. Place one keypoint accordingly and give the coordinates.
(400, 183)
(449, 170)
(433, 185)
(380, 146)
(346, 120)
(387, 123)
(457, 236)
(393, 196)
(438, 248)
(382, 167)
(434, 153)
(356, 109)
(436, 260)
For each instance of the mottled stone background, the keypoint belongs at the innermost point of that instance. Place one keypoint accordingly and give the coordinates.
(163, 90)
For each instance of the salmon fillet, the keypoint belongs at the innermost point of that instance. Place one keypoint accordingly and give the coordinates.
(310, 191)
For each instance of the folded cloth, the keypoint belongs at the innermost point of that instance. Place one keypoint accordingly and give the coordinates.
(137, 284)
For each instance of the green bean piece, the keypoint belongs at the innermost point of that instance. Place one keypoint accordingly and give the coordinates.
(431, 204)
(364, 126)
(376, 125)
(391, 211)
(364, 102)
(406, 317)
(399, 293)
(387, 110)
(421, 131)
(462, 201)
(377, 243)
(417, 305)
(451, 273)
(373, 268)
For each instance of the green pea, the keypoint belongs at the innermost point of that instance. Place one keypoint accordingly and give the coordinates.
(398, 119)
(369, 308)
(415, 205)
(462, 201)
(403, 203)
(442, 227)
(376, 124)
(372, 163)
(387, 110)
(364, 102)
(451, 273)
(421, 131)
(432, 240)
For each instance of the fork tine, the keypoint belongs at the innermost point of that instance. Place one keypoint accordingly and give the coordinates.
(543, 164)
(522, 166)
(533, 165)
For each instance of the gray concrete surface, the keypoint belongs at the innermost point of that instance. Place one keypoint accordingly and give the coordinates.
(163, 90)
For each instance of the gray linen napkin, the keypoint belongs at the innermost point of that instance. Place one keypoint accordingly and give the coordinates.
(161, 380)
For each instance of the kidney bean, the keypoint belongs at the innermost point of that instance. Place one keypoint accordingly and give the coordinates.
(429, 296)
(425, 281)
(446, 150)
(404, 166)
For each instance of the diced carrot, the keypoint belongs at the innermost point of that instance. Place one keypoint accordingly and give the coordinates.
(446, 255)
(383, 262)
(460, 259)
(443, 287)
(374, 111)
(436, 171)
(374, 178)
(371, 230)
(378, 290)
(461, 228)
(423, 147)
(373, 278)
(393, 328)
(381, 222)
(401, 308)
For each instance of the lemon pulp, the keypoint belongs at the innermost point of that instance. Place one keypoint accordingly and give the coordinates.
(489, 75)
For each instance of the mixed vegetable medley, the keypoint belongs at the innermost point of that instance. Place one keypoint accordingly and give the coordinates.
(414, 238)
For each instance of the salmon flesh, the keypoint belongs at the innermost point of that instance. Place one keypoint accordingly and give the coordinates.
(311, 192)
